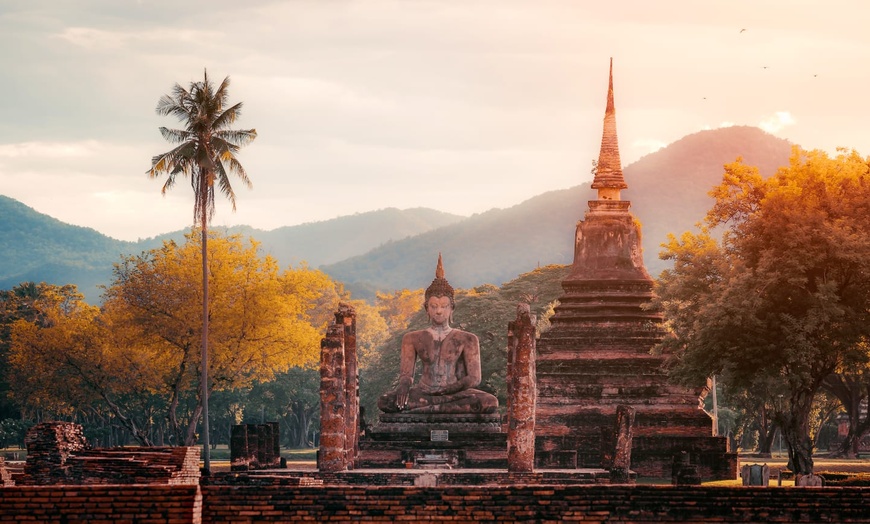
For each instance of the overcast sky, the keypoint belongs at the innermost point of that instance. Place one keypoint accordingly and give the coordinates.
(460, 106)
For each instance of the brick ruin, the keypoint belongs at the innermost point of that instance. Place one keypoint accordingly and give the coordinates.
(5, 474)
(596, 356)
(58, 453)
(339, 394)
(255, 446)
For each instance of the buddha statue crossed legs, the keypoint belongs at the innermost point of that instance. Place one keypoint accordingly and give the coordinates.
(450, 361)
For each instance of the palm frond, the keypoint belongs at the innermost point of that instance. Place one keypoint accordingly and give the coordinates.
(175, 136)
(236, 167)
(222, 94)
(239, 137)
(207, 148)
(223, 181)
(228, 116)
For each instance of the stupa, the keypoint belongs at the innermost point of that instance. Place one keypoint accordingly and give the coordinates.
(597, 354)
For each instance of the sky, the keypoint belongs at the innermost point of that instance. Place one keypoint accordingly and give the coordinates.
(456, 105)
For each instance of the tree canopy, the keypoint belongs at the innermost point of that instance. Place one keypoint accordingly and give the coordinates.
(785, 293)
(141, 348)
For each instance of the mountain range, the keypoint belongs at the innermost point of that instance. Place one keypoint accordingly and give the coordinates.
(393, 249)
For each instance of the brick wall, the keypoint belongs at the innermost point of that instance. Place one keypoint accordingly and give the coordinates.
(287, 503)
(596, 504)
(62, 504)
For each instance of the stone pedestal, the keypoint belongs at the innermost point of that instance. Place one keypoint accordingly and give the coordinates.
(428, 440)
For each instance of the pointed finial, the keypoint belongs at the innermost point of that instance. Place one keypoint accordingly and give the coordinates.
(439, 287)
(610, 108)
(608, 172)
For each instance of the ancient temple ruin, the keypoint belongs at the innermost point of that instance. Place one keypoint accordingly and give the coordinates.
(597, 354)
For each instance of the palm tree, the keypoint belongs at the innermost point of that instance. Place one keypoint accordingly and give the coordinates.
(206, 153)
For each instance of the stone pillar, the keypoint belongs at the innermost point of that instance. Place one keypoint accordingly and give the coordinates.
(522, 391)
(332, 455)
(276, 444)
(264, 444)
(619, 472)
(346, 316)
(243, 448)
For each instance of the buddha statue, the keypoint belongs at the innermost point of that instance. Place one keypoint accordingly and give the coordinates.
(450, 361)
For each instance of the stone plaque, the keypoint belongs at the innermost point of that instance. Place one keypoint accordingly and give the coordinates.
(438, 435)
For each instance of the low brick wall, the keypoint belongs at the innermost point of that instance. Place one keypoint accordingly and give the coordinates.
(131, 503)
(597, 504)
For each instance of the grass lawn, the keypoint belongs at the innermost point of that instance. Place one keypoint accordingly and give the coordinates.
(307, 457)
(222, 452)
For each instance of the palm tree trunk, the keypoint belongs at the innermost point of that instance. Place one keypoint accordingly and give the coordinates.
(204, 380)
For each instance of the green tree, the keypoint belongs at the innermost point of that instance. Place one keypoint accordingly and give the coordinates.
(785, 296)
(851, 386)
(206, 153)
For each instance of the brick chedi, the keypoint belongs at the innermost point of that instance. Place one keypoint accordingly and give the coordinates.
(596, 356)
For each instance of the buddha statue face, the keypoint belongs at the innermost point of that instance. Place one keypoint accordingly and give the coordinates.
(439, 310)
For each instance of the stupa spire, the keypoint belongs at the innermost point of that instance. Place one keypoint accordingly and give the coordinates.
(608, 173)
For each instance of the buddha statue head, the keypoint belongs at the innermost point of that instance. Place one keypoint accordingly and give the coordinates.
(439, 287)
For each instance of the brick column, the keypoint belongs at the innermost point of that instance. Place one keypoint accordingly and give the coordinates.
(622, 452)
(522, 391)
(346, 316)
(332, 455)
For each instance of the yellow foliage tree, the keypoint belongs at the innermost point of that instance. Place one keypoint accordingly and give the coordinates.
(398, 307)
(42, 350)
(141, 349)
(259, 317)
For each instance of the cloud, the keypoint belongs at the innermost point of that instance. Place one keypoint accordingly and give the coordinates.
(92, 38)
(777, 121)
(37, 149)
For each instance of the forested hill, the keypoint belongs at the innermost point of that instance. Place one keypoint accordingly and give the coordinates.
(668, 190)
(40, 248)
(333, 240)
(329, 241)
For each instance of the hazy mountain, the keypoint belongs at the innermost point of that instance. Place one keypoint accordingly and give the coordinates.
(668, 190)
(40, 248)
(393, 249)
(329, 241)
